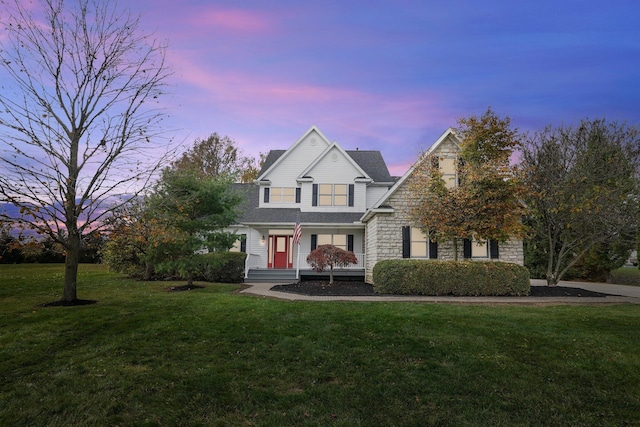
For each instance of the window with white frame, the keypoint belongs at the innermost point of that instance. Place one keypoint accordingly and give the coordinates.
(419, 243)
(337, 240)
(479, 249)
(325, 195)
(282, 195)
(333, 194)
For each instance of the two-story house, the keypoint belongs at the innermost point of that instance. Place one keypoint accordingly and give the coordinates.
(339, 197)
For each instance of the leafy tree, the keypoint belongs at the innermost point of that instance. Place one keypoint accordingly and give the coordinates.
(583, 194)
(487, 202)
(130, 231)
(192, 211)
(10, 247)
(329, 256)
(218, 156)
(79, 119)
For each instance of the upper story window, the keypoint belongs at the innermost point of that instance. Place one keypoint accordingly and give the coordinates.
(333, 194)
(449, 169)
(282, 195)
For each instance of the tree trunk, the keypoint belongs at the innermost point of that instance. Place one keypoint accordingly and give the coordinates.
(455, 249)
(71, 268)
(190, 280)
(331, 275)
(147, 271)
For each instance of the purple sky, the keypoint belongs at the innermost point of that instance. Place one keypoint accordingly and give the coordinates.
(392, 75)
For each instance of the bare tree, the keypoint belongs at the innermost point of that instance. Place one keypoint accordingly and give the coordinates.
(79, 116)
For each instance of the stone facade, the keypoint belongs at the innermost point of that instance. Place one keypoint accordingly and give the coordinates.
(383, 239)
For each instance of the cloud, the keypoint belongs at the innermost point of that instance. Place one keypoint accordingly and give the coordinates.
(237, 21)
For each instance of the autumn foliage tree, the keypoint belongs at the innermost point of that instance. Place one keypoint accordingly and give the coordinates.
(218, 156)
(487, 201)
(330, 256)
(584, 193)
(131, 229)
(79, 117)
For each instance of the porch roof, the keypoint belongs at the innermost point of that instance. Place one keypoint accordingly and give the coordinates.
(250, 213)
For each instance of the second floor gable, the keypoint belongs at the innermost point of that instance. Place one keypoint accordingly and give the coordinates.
(316, 174)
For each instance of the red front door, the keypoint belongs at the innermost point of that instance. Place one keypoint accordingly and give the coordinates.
(280, 251)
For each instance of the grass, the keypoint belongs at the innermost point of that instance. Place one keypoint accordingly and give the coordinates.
(626, 276)
(144, 356)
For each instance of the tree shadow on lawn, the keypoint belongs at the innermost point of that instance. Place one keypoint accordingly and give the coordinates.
(355, 288)
(81, 302)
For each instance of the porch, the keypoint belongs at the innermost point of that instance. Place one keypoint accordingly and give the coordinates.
(254, 273)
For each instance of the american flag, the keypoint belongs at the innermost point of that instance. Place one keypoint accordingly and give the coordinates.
(297, 233)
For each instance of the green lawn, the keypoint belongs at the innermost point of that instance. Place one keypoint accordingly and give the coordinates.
(144, 356)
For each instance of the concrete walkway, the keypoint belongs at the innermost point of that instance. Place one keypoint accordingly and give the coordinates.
(620, 295)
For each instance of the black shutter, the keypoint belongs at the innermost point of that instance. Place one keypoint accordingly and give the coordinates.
(406, 242)
(494, 252)
(266, 195)
(351, 193)
(314, 196)
(350, 242)
(314, 241)
(433, 245)
(243, 243)
(467, 248)
(298, 193)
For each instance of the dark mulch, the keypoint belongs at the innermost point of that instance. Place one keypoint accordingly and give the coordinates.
(184, 288)
(349, 288)
(70, 303)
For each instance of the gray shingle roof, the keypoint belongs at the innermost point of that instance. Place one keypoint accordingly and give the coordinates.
(369, 160)
(250, 213)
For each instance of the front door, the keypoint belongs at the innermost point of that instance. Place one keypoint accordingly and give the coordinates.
(280, 251)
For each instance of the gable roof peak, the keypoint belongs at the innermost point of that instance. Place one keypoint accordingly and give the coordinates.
(450, 133)
(278, 157)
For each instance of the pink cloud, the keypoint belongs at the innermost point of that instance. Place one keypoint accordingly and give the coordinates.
(235, 20)
(241, 105)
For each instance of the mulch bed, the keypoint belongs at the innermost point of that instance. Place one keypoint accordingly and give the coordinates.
(349, 288)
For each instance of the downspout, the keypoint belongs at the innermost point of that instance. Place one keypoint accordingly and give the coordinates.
(246, 259)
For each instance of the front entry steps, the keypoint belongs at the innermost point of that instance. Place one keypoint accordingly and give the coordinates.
(274, 275)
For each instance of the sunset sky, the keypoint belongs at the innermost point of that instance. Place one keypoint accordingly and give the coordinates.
(391, 75)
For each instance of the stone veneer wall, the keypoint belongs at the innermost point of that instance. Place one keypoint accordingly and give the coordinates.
(383, 238)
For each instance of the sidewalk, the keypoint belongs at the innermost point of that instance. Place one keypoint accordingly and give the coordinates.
(620, 295)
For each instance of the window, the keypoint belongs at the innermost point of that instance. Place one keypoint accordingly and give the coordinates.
(448, 167)
(486, 249)
(333, 194)
(340, 195)
(282, 195)
(342, 241)
(325, 195)
(240, 245)
(479, 249)
(416, 244)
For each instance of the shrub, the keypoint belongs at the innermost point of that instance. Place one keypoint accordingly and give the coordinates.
(459, 278)
(222, 267)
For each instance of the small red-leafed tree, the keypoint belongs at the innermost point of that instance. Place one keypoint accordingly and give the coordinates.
(329, 256)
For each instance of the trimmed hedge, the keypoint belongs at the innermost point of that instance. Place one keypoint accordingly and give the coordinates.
(222, 267)
(458, 278)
